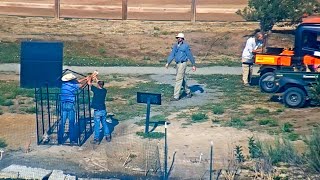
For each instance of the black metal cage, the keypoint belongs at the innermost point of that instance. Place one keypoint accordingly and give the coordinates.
(48, 115)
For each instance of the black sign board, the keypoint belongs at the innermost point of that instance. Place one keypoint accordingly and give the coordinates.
(153, 98)
(148, 98)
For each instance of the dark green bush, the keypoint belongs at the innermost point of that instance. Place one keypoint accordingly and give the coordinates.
(151, 135)
(261, 111)
(199, 117)
(313, 151)
(7, 102)
(236, 122)
(287, 127)
(255, 148)
(218, 109)
(283, 152)
(3, 143)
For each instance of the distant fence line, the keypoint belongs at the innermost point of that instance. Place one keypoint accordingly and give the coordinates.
(59, 9)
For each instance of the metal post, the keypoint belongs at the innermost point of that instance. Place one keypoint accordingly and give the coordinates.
(83, 104)
(124, 9)
(147, 116)
(57, 111)
(165, 152)
(77, 118)
(193, 10)
(48, 106)
(42, 115)
(89, 106)
(36, 99)
(57, 9)
(211, 160)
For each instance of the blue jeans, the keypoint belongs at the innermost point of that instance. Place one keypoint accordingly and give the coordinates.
(100, 116)
(67, 112)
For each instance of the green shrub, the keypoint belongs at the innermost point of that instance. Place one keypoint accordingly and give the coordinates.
(293, 136)
(255, 148)
(29, 110)
(8, 102)
(287, 127)
(261, 111)
(313, 150)
(218, 109)
(264, 122)
(109, 98)
(315, 92)
(199, 117)
(279, 110)
(235, 122)
(238, 154)
(102, 51)
(151, 135)
(3, 143)
(249, 118)
(283, 152)
(268, 121)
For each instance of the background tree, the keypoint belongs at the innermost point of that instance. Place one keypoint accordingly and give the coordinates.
(269, 12)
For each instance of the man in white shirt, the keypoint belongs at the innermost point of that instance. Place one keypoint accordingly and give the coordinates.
(253, 45)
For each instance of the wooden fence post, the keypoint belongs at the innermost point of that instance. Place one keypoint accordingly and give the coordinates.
(57, 9)
(193, 10)
(124, 9)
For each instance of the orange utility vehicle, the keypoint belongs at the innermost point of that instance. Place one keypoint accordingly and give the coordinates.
(302, 57)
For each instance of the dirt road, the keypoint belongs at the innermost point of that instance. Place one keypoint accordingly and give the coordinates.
(138, 70)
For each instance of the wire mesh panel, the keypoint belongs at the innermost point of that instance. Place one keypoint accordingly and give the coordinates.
(84, 122)
(47, 114)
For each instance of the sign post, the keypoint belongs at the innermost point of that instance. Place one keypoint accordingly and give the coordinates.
(148, 98)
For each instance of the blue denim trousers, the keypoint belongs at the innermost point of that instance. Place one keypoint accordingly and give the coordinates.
(100, 116)
(67, 112)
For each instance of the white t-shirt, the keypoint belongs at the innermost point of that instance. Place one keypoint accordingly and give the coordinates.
(247, 51)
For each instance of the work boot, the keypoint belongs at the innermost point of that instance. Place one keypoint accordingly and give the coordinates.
(108, 138)
(174, 99)
(95, 141)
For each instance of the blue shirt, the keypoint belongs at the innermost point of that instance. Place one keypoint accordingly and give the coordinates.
(69, 90)
(181, 53)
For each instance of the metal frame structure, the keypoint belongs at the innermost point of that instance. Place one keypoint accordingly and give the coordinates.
(48, 113)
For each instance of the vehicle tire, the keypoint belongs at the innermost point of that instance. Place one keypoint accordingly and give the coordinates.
(267, 83)
(294, 97)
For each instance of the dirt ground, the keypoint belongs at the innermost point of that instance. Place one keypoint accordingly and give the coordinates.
(141, 41)
(187, 143)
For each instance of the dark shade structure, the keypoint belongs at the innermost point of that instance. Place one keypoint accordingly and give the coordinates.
(41, 64)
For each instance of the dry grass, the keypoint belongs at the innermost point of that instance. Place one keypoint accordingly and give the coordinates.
(142, 42)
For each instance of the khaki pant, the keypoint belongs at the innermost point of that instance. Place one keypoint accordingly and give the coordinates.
(246, 73)
(180, 80)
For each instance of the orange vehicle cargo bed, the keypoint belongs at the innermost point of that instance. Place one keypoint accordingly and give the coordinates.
(310, 60)
(273, 60)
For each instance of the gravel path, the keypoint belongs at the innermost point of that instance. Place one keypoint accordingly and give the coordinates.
(137, 70)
